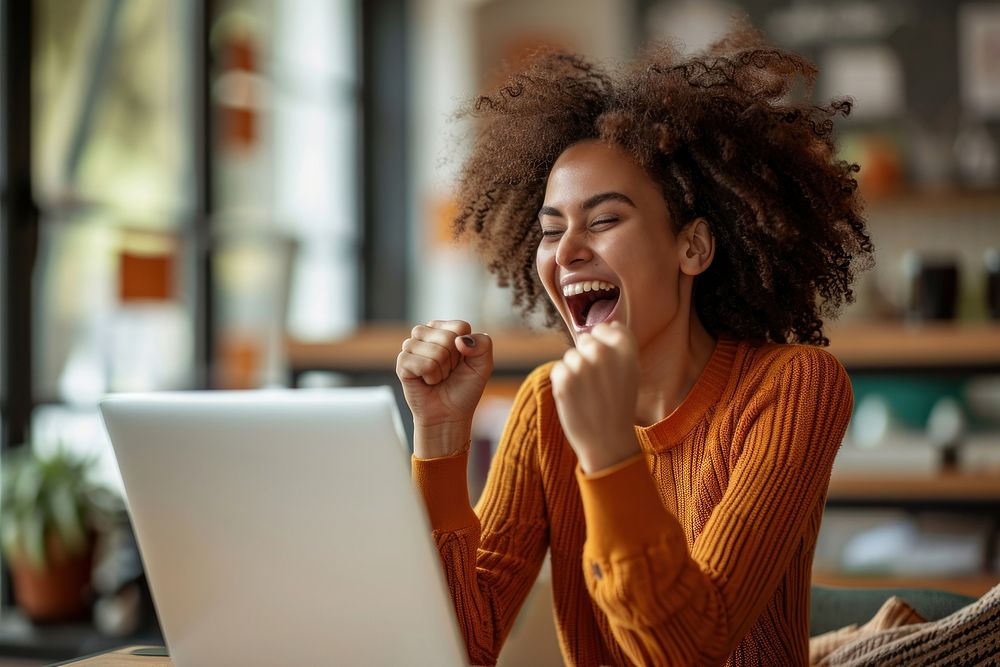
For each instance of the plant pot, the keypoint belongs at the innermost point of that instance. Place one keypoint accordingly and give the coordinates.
(59, 591)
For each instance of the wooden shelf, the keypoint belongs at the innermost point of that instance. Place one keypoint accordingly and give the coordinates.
(373, 348)
(933, 202)
(974, 585)
(943, 487)
(974, 347)
(860, 347)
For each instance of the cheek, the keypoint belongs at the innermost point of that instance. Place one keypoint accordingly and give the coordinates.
(544, 262)
(651, 274)
(545, 265)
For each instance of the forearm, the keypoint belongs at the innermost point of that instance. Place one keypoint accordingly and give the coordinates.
(457, 532)
(661, 606)
(440, 440)
(487, 584)
(489, 558)
(443, 485)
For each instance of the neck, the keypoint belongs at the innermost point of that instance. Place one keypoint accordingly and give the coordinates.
(670, 364)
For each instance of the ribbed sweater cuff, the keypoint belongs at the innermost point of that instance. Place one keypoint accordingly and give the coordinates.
(444, 486)
(622, 508)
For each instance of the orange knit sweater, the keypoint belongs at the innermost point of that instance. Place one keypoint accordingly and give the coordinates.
(698, 551)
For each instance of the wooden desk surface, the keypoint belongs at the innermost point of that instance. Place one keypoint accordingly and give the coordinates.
(123, 657)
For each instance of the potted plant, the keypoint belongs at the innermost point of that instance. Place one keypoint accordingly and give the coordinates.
(49, 512)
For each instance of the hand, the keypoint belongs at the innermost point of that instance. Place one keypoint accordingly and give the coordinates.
(443, 368)
(595, 387)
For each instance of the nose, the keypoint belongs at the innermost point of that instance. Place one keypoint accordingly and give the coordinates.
(573, 247)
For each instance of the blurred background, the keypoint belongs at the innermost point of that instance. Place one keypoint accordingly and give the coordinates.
(256, 193)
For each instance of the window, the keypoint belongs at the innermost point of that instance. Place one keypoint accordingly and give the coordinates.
(286, 88)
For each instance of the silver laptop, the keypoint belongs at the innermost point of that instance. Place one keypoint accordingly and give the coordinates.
(282, 528)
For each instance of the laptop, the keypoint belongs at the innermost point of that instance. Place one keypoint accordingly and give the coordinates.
(282, 528)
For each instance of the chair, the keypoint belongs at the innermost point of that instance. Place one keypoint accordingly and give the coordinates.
(832, 608)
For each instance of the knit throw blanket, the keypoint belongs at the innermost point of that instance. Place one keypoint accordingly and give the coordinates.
(897, 635)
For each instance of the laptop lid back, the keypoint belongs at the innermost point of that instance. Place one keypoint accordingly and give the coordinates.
(282, 528)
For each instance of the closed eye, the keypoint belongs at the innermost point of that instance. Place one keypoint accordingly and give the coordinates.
(603, 222)
(551, 232)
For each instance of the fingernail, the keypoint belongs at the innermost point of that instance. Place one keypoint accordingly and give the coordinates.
(469, 341)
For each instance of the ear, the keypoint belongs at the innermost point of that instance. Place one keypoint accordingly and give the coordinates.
(696, 246)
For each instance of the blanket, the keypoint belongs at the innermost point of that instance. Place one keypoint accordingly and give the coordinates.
(897, 635)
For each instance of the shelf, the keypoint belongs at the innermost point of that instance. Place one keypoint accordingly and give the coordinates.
(373, 348)
(975, 585)
(860, 347)
(934, 202)
(910, 347)
(943, 487)
(961, 492)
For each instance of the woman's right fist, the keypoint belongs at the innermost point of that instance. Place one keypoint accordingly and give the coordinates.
(443, 368)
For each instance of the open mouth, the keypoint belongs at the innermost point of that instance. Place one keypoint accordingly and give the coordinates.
(591, 302)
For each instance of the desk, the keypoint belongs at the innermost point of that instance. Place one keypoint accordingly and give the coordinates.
(20, 639)
(124, 657)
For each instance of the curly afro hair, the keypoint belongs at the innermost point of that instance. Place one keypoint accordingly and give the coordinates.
(730, 135)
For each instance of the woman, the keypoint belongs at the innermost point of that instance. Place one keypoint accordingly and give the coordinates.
(688, 224)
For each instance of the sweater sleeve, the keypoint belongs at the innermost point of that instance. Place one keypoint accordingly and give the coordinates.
(491, 554)
(667, 605)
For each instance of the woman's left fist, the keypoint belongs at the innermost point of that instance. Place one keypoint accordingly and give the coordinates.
(595, 387)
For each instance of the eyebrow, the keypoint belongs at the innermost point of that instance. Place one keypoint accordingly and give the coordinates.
(590, 203)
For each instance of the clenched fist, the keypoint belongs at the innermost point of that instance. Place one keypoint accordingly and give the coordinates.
(443, 368)
(595, 387)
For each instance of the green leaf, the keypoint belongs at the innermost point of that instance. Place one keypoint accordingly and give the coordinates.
(51, 493)
(66, 518)
(28, 486)
(10, 535)
(33, 539)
